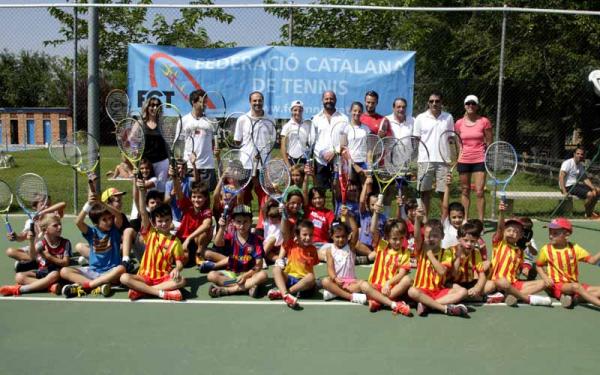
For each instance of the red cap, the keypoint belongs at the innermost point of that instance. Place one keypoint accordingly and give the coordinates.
(561, 223)
(513, 220)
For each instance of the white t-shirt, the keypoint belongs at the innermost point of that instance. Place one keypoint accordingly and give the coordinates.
(401, 129)
(430, 129)
(323, 126)
(243, 134)
(574, 172)
(450, 234)
(356, 139)
(343, 262)
(134, 211)
(202, 133)
(290, 131)
(273, 230)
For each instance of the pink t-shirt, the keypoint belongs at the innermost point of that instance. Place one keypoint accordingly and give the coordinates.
(473, 140)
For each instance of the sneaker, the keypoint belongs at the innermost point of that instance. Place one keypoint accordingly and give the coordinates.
(73, 290)
(374, 306)
(253, 292)
(206, 266)
(566, 301)
(327, 295)
(495, 298)
(103, 289)
(10, 290)
(401, 308)
(422, 310)
(215, 291)
(536, 300)
(274, 294)
(361, 259)
(457, 310)
(25, 266)
(173, 295)
(135, 295)
(359, 298)
(511, 300)
(290, 300)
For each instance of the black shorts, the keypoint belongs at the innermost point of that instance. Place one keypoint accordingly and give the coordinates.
(470, 167)
(580, 190)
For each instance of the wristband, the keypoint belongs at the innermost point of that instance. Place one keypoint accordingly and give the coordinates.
(87, 207)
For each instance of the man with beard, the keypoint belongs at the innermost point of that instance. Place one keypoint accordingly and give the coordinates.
(377, 123)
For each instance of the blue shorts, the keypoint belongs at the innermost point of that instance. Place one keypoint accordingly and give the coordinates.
(291, 281)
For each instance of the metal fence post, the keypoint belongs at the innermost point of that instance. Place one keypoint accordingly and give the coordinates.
(93, 110)
(75, 182)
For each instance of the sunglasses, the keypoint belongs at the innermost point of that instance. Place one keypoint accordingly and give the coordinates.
(470, 103)
(434, 101)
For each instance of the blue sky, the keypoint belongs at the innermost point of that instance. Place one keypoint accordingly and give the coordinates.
(28, 28)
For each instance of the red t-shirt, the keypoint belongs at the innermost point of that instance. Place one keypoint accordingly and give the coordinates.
(321, 219)
(191, 219)
(374, 121)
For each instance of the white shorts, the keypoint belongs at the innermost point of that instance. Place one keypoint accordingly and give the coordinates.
(88, 273)
(437, 171)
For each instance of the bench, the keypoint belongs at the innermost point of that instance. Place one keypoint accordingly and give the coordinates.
(512, 196)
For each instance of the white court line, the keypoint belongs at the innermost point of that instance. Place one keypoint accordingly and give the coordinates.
(212, 302)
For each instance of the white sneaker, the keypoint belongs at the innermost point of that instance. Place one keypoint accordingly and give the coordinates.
(536, 300)
(327, 295)
(359, 298)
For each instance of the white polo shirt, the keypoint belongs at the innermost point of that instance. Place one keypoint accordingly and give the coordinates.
(401, 129)
(430, 128)
(290, 131)
(574, 172)
(202, 133)
(243, 134)
(323, 126)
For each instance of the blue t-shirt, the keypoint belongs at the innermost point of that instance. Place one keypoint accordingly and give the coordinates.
(364, 235)
(105, 248)
(186, 188)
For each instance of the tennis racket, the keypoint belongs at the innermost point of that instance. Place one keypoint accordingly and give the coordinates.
(169, 125)
(263, 137)
(89, 151)
(372, 149)
(32, 194)
(307, 135)
(235, 177)
(416, 157)
(131, 141)
(6, 198)
(215, 108)
(275, 179)
(226, 132)
(450, 146)
(501, 163)
(117, 105)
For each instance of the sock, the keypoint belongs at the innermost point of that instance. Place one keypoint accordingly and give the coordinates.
(24, 288)
(394, 305)
(446, 309)
(86, 285)
(528, 300)
(161, 294)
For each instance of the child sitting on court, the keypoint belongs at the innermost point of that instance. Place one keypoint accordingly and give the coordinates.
(293, 272)
(558, 266)
(528, 246)
(185, 185)
(389, 274)
(272, 231)
(468, 268)
(341, 278)
(157, 276)
(507, 260)
(367, 206)
(320, 216)
(104, 240)
(244, 271)
(407, 211)
(153, 199)
(434, 265)
(51, 253)
(453, 216)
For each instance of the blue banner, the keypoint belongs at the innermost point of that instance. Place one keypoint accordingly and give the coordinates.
(282, 74)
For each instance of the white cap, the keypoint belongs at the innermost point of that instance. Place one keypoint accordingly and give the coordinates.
(471, 98)
(296, 103)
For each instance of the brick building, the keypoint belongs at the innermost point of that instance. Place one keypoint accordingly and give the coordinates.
(34, 126)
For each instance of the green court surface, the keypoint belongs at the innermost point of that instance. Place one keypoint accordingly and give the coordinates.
(45, 334)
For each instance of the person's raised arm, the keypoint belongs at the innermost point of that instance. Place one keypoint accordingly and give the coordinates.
(56, 207)
(374, 227)
(435, 263)
(446, 198)
(217, 193)
(87, 207)
(195, 172)
(308, 172)
(353, 227)
(220, 235)
(364, 194)
(284, 151)
(418, 235)
(143, 212)
(500, 228)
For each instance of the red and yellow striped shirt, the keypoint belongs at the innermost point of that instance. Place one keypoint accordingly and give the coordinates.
(426, 276)
(388, 263)
(507, 261)
(470, 264)
(562, 263)
(160, 254)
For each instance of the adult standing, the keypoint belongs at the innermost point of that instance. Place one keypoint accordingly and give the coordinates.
(375, 122)
(573, 180)
(429, 127)
(155, 148)
(324, 121)
(291, 150)
(476, 134)
(196, 125)
(400, 124)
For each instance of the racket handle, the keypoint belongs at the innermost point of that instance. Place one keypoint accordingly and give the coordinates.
(380, 199)
(420, 202)
(503, 197)
(92, 186)
(343, 219)
(32, 227)
(9, 229)
(225, 211)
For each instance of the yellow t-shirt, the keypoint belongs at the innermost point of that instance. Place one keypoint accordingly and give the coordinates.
(388, 263)
(562, 264)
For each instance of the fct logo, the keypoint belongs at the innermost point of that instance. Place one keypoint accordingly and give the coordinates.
(142, 95)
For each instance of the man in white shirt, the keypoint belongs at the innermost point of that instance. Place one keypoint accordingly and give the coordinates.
(402, 125)
(195, 126)
(429, 127)
(572, 180)
(324, 154)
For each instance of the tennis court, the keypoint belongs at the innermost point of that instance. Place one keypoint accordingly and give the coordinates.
(45, 334)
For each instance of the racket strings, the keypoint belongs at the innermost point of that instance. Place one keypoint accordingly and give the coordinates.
(373, 149)
(275, 178)
(31, 191)
(450, 146)
(130, 138)
(235, 176)
(263, 137)
(215, 107)
(89, 151)
(501, 160)
(6, 196)
(117, 105)
(65, 152)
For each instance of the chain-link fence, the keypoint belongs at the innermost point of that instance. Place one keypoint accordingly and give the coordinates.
(547, 105)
